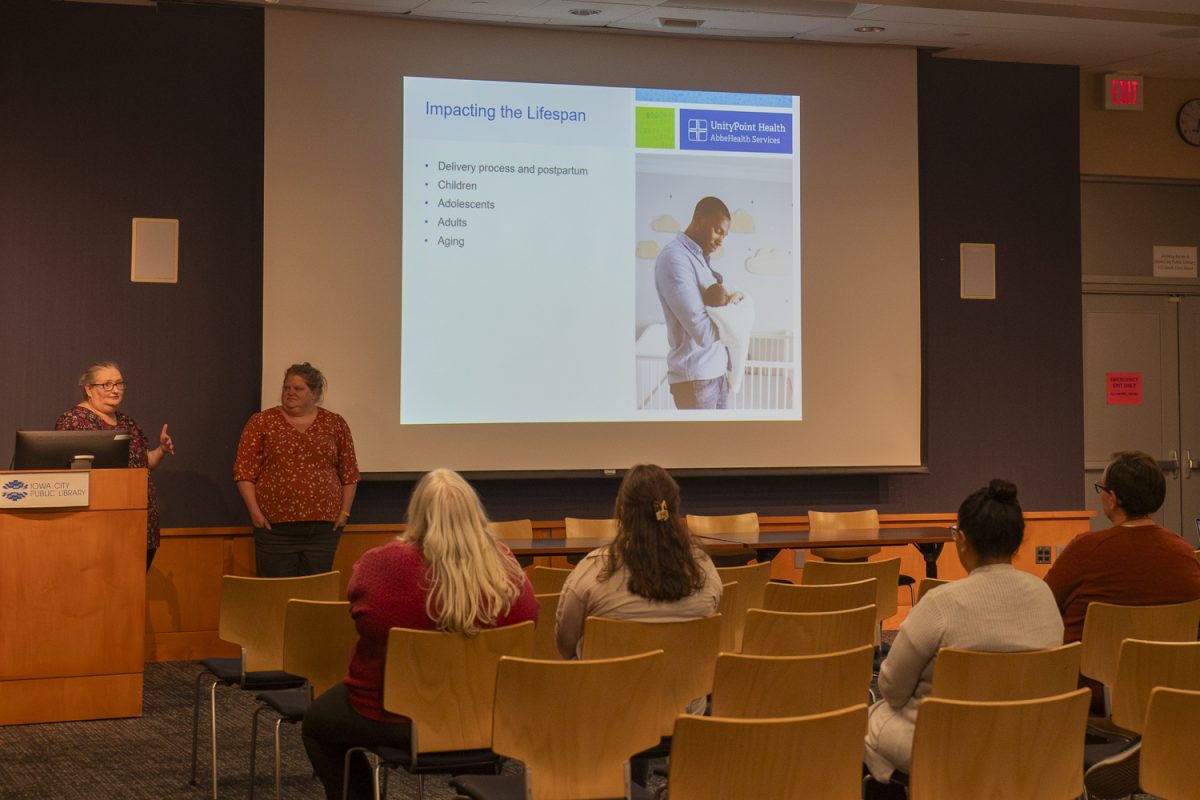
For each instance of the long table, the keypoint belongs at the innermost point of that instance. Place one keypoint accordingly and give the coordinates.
(767, 544)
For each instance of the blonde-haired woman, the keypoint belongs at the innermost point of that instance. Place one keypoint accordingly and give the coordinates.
(445, 573)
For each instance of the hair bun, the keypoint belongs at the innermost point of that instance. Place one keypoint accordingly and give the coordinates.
(1002, 491)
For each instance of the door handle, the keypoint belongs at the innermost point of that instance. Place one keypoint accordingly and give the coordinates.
(1188, 464)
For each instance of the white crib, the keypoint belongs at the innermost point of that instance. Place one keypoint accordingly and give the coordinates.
(768, 383)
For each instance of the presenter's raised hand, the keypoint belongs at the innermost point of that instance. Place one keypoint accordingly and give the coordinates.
(164, 441)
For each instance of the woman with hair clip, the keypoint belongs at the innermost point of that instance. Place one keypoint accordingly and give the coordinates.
(995, 608)
(652, 571)
(445, 573)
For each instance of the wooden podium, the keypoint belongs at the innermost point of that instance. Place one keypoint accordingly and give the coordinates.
(73, 605)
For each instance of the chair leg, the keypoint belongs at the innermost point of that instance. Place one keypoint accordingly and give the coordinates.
(912, 596)
(278, 787)
(196, 725)
(212, 698)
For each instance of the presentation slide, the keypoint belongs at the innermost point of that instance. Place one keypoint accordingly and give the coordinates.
(548, 271)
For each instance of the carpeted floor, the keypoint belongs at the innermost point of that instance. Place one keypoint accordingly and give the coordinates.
(150, 757)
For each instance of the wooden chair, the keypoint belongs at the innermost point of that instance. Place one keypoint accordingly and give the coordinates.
(689, 648)
(752, 583)
(446, 684)
(1106, 625)
(514, 529)
(578, 528)
(790, 686)
(1142, 667)
(547, 580)
(793, 758)
(1169, 744)
(726, 523)
(1020, 675)
(851, 520)
(777, 633)
(252, 616)
(841, 521)
(1032, 749)
(543, 636)
(885, 571)
(807, 598)
(926, 584)
(317, 639)
(727, 608)
(560, 720)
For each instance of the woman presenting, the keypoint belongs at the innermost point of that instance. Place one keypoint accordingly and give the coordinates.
(297, 475)
(104, 389)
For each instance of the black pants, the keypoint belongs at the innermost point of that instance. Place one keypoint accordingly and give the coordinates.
(331, 727)
(291, 549)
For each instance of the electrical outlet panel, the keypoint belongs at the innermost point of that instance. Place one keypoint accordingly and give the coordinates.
(1041, 554)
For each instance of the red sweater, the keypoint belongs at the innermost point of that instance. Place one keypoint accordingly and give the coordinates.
(1135, 566)
(387, 590)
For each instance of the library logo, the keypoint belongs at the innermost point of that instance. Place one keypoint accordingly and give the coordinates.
(15, 491)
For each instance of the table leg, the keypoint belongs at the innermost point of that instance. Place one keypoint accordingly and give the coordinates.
(931, 551)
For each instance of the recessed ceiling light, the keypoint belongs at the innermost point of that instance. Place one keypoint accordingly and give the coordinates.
(584, 12)
(870, 29)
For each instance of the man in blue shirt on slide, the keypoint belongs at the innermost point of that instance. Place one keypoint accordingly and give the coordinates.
(697, 362)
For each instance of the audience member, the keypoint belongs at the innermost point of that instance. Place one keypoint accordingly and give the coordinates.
(445, 573)
(1135, 562)
(995, 608)
(652, 571)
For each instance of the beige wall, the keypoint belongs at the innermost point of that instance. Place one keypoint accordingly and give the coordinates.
(1136, 143)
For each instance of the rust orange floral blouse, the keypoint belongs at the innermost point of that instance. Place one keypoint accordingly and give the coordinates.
(297, 477)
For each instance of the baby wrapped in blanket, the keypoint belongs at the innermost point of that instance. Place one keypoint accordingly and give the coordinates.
(733, 314)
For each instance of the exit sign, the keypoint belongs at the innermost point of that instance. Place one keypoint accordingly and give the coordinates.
(1123, 92)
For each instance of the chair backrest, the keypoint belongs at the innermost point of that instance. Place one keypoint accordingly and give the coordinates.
(561, 721)
(590, 528)
(805, 598)
(689, 647)
(752, 582)
(1169, 744)
(723, 523)
(1023, 675)
(1145, 665)
(727, 608)
(793, 758)
(547, 580)
(886, 571)
(1030, 749)
(840, 521)
(790, 686)
(512, 529)
(544, 646)
(253, 611)
(318, 636)
(928, 583)
(446, 682)
(1106, 625)
(778, 633)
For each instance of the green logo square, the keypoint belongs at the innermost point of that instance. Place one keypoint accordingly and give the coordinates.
(655, 127)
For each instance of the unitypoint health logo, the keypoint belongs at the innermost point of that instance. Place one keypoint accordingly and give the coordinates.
(697, 130)
(15, 490)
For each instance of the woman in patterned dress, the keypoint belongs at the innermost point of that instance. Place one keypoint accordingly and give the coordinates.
(297, 474)
(104, 389)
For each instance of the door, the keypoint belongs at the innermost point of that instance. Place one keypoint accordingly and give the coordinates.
(1142, 392)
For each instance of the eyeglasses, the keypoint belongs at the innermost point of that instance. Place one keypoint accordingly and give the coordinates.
(955, 530)
(1100, 488)
(120, 386)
